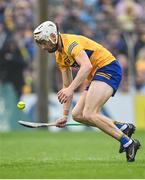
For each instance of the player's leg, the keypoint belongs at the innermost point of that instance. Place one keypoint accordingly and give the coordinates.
(77, 116)
(98, 93)
(126, 128)
(78, 109)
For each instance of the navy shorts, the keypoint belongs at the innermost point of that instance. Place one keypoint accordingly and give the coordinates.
(110, 74)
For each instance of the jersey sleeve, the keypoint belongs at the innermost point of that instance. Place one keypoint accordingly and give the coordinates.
(74, 48)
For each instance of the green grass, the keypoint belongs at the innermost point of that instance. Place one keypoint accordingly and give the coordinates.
(43, 154)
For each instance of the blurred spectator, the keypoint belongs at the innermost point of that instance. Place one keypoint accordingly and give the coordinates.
(115, 42)
(140, 71)
(3, 5)
(16, 22)
(140, 42)
(124, 86)
(127, 12)
(12, 65)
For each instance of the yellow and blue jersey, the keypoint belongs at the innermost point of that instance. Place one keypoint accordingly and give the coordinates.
(73, 44)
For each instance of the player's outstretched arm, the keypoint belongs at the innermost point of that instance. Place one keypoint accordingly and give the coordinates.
(67, 79)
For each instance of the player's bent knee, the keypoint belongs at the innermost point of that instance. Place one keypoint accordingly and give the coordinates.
(90, 116)
(76, 116)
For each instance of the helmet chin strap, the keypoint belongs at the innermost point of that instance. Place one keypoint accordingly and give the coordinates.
(54, 48)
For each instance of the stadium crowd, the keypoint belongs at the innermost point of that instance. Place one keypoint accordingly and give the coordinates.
(119, 25)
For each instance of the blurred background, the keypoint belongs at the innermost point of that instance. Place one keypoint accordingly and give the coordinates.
(28, 74)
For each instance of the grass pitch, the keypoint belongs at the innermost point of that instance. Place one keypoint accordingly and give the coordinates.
(89, 154)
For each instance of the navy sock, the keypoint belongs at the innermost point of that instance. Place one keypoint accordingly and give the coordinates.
(121, 126)
(125, 141)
